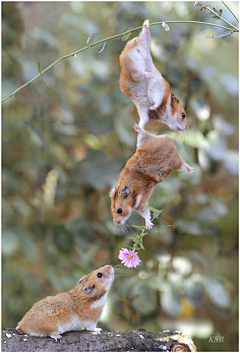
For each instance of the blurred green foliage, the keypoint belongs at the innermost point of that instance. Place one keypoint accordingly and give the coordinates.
(64, 145)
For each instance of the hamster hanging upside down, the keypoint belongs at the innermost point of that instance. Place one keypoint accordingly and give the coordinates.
(80, 308)
(144, 84)
(155, 158)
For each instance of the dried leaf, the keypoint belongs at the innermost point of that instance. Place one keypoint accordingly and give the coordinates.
(165, 26)
(91, 37)
(103, 47)
(198, 3)
(205, 9)
(221, 35)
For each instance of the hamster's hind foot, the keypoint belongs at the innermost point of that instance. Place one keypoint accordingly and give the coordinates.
(56, 337)
(189, 170)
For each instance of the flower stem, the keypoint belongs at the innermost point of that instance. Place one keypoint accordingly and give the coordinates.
(106, 40)
(230, 10)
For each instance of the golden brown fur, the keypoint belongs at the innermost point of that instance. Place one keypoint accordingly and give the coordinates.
(49, 316)
(155, 158)
(144, 84)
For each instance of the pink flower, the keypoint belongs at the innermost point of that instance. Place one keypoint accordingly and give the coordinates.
(129, 258)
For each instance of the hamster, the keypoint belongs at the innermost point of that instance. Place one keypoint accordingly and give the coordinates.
(155, 158)
(80, 308)
(145, 85)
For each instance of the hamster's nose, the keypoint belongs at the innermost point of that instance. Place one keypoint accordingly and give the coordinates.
(110, 270)
(109, 267)
(117, 221)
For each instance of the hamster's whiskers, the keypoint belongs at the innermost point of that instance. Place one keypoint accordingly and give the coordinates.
(120, 272)
(123, 229)
(127, 225)
(113, 228)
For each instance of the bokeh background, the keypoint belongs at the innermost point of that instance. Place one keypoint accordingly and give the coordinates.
(64, 145)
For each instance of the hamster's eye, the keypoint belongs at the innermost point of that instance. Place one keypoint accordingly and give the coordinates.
(99, 275)
(119, 210)
(183, 115)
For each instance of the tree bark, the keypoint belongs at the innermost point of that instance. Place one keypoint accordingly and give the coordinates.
(107, 341)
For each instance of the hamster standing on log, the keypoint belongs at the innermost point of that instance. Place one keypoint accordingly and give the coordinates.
(155, 158)
(144, 84)
(80, 308)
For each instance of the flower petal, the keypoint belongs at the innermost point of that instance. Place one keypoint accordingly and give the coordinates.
(132, 261)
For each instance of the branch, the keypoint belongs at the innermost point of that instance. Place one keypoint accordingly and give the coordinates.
(103, 41)
(220, 17)
(230, 10)
(106, 341)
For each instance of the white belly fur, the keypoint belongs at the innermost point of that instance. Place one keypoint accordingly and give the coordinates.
(76, 324)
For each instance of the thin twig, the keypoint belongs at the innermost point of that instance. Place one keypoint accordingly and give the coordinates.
(221, 18)
(230, 10)
(102, 41)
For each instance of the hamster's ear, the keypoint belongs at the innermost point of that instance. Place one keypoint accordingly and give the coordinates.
(126, 191)
(88, 290)
(112, 192)
(81, 279)
(176, 98)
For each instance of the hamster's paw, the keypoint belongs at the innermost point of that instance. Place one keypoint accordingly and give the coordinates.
(56, 337)
(189, 169)
(137, 128)
(146, 23)
(98, 329)
(149, 225)
(94, 331)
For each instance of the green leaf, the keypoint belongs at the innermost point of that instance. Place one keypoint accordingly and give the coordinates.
(218, 13)
(153, 209)
(138, 227)
(40, 72)
(39, 67)
(127, 35)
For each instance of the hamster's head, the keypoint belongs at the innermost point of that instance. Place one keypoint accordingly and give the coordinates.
(178, 120)
(122, 203)
(97, 283)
